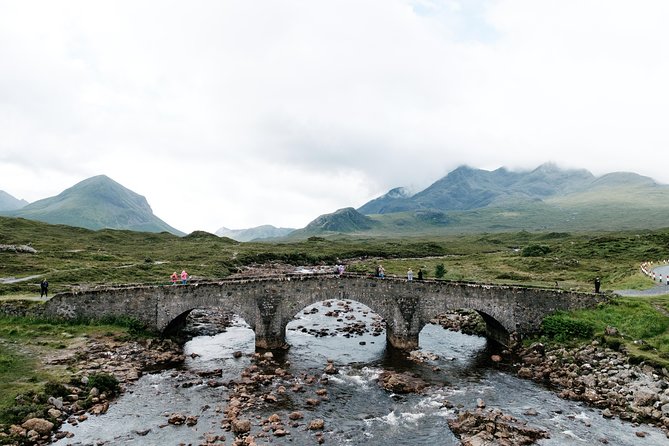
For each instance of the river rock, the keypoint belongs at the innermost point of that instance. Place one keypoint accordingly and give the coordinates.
(493, 428)
(177, 419)
(316, 424)
(280, 432)
(99, 409)
(191, 420)
(401, 382)
(330, 369)
(56, 402)
(295, 415)
(55, 413)
(644, 398)
(17, 431)
(39, 425)
(241, 426)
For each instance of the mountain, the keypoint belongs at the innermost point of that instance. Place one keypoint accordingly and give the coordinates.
(9, 203)
(257, 233)
(396, 200)
(475, 200)
(346, 220)
(466, 188)
(96, 203)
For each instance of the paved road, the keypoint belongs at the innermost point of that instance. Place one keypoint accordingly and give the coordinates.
(654, 291)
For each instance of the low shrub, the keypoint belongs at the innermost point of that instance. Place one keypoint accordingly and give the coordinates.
(104, 382)
(561, 327)
(535, 251)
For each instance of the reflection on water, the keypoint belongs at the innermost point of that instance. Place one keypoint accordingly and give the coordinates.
(357, 410)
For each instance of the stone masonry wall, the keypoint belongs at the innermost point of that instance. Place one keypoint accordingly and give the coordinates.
(268, 305)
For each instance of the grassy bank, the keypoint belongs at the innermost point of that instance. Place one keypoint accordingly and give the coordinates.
(32, 354)
(637, 325)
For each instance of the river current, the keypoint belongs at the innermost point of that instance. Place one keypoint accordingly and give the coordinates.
(357, 410)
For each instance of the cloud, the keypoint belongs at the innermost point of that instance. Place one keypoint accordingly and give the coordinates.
(239, 113)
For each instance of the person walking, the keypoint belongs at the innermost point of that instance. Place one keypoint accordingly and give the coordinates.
(174, 278)
(420, 274)
(184, 277)
(44, 288)
(410, 275)
(598, 283)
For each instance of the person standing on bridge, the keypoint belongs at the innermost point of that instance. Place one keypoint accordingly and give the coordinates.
(184, 277)
(174, 278)
(44, 288)
(410, 275)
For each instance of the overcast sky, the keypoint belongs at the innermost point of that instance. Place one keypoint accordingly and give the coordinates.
(242, 113)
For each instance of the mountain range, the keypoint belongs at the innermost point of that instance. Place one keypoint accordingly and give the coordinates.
(547, 198)
(474, 200)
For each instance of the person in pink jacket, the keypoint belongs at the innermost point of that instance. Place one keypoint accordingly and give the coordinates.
(184, 277)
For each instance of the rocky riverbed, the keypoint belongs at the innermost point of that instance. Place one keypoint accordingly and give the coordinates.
(592, 373)
(75, 401)
(603, 378)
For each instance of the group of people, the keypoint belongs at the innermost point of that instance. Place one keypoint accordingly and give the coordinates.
(419, 276)
(175, 278)
(381, 273)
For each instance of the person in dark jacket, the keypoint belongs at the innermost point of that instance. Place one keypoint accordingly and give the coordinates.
(43, 288)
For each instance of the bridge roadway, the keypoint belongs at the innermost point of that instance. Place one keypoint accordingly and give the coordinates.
(268, 304)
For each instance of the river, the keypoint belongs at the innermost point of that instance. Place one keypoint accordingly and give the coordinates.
(357, 410)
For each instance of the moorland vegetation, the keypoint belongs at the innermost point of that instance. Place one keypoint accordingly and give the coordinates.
(71, 258)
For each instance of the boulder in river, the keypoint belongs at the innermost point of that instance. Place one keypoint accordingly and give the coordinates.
(39, 425)
(493, 427)
(401, 382)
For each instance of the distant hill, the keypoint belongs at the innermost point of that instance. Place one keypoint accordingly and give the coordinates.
(257, 233)
(96, 203)
(546, 198)
(346, 220)
(9, 203)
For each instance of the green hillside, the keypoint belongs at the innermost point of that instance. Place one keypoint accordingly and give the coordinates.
(96, 203)
(346, 220)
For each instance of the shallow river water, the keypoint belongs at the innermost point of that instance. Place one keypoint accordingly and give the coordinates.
(357, 411)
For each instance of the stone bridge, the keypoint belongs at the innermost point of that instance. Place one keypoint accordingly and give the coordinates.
(269, 304)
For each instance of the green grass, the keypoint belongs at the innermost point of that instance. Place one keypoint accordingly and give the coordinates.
(18, 374)
(70, 257)
(26, 342)
(643, 324)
